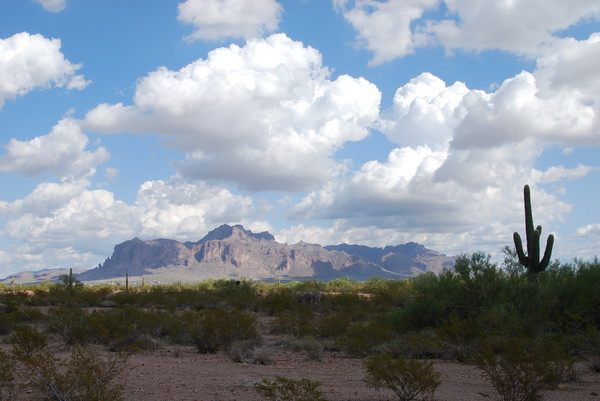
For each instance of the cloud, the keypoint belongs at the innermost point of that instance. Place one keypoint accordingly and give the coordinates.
(111, 173)
(30, 61)
(220, 19)
(560, 173)
(424, 112)
(541, 105)
(61, 152)
(53, 5)
(385, 27)
(462, 159)
(396, 28)
(264, 116)
(45, 198)
(71, 215)
(590, 230)
(520, 27)
(175, 209)
(346, 232)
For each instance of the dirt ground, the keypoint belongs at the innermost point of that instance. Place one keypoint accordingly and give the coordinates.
(180, 373)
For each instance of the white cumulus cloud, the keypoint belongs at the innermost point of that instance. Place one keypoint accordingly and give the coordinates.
(385, 27)
(396, 28)
(590, 230)
(57, 216)
(264, 116)
(31, 61)
(61, 152)
(464, 155)
(515, 26)
(220, 19)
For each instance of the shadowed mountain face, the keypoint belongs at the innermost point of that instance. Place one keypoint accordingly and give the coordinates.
(233, 252)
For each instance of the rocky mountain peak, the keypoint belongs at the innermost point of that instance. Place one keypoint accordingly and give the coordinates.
(234, 233)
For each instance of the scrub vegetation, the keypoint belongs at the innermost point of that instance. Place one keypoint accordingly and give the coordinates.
(524, 335)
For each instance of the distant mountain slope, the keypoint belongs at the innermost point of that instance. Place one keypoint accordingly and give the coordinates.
(408, 259)
(32, 277)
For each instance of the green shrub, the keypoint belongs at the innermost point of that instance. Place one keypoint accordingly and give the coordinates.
(519, 370)
(216, 329)
(407, 378)
(7, 376)
(84, 376)
(298, 322)
(27, 342)
(72, 325)
(363, 337)
(308, 345)
(283, 389)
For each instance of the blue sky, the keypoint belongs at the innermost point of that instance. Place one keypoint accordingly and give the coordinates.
(360, 121)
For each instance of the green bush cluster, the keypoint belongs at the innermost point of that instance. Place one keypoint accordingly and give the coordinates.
(82, 376)
(407, 378)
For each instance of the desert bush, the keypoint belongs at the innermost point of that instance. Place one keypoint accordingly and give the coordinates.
(134, 343)
(27, 342)
(240, 294)
(284, 389)
(308, 345)
(332, 325)
(244, 351)
(299, 321)
(407, 378)
(422, 344)
(72, 325)
(84, 376)
(213, 330)
(7, 377)
(241, 351)
(343, 284)
(277, 300)
(520, 371)
(363, 337)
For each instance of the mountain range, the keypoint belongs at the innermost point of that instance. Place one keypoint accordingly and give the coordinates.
(234, 252)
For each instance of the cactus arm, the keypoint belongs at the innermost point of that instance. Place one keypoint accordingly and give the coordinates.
(548, 253)
(519, 247)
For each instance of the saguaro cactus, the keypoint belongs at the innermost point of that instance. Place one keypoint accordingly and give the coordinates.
(70, 282)
(532, 261)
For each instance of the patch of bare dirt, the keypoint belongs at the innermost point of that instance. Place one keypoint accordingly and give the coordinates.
(180, 373)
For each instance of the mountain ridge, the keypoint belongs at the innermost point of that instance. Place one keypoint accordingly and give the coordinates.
(234, 252)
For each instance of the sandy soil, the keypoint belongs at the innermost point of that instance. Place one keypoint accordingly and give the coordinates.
(179, 373)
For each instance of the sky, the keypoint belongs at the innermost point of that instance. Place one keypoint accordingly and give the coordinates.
(372, 122)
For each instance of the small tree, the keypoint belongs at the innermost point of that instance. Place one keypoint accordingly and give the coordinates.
(407, 378)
